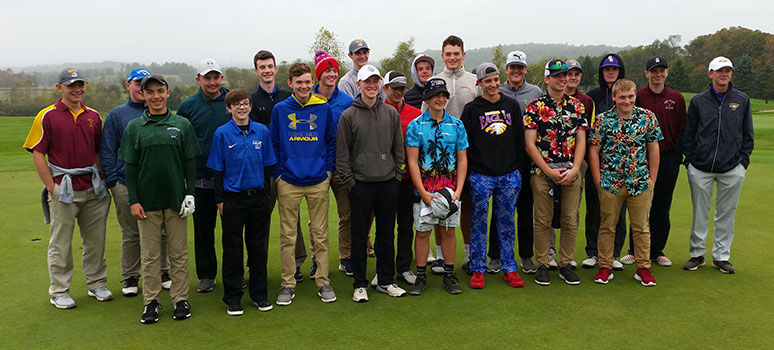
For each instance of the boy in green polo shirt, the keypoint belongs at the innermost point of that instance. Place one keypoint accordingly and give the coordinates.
(159, 149)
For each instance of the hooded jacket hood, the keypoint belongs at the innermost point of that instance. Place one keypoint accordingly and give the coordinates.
(414, 69)
(602, 95)
(621, 72)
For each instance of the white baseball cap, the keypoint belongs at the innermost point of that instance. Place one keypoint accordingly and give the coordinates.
(208, 65)
(516, 58)
(367, 71)
(720, 62)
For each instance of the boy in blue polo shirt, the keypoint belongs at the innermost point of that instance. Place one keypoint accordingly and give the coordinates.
(241, 150)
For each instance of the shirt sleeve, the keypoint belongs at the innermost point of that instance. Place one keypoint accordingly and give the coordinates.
(412, 134)
(108, 153)
(191, 146)
(37, 138)
(462, 137)
(128, 153)
(530, 116)
(269, 158)
(215, 159)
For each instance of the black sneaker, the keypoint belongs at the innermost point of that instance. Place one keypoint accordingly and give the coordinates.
(420, 284)
(466, 268)
(166, 281)
(298, 275)
(541, 276)
(263, 305)
(451, 284)
(346, 267)
(724, 266)
(150, 313)
(568, 275)
(235, 309)
(313, 271)
(694, 263)
(130, 288)
(182, 310)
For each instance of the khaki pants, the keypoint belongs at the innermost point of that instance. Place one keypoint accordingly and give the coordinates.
(289, 198)
(341, 193)
(130, 235)
(151, 230)
(91, 214)
(639, 210)
(544, 212)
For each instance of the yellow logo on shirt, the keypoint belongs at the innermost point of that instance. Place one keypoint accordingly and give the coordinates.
(733, 106)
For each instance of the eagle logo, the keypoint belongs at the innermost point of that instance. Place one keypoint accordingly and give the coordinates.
(497, 128)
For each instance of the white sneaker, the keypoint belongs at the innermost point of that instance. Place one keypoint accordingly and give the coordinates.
(63, 302)
(392, 290)
(552, 265)
(360, 295)
(628, 259)
(430, 257)
(408, 276)
(589, 262)
(375, 281)
(663, 261)
(617, 265)
(101, 294)
(574, 264)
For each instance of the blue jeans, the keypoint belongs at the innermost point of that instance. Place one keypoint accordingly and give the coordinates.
(505, 191)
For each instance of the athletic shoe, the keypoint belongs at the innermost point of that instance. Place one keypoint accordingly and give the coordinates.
(617, 266)
(408, 276)
(603, 275)
(466, 267)
(527, 266)
(360, 295)
(166, 281)
(437, 267)
(392, 290)
(346, 267)
(541, 277)
(130, 288)
(663, 261)
(182, 310)
(235, 310)
(724, 266)
(263, 305)
(101, 294)
(694, 263)
(513, 279)
(419, 285)
(493, 266)
(298, 275)
(478, 281)
(430, 257)
(286, 296)
(63, 302)
(451, 284)
(552, 265)
(589, 262)
(645, 277)
(205, 285)
(326, 294)
(573, 264)
(628, 259)
(568, 275)
(313, 271)
(150, 313)
(375, 281)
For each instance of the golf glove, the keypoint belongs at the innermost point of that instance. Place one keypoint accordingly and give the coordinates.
(188, 207)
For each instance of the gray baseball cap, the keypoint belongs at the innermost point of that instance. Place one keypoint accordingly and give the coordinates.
(357, 44)
(516, 58)
(486, 69)
(153, 77)
(69, 76)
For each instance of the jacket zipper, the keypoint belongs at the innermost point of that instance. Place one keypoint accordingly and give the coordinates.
(717, 142)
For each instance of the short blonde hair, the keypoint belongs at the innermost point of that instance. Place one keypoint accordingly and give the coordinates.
(624, 85)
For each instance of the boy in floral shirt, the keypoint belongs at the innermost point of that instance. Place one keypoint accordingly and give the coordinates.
(555, 139)
(623, 159)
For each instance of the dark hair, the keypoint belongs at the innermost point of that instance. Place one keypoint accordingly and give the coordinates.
(453, 40)
(298, 69)
(262, 55)
(236, 95)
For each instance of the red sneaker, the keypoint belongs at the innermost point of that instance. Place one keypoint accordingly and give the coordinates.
(477, 281)
(603, 275)
(513, 279)
(645, 277)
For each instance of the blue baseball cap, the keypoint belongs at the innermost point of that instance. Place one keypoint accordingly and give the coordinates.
(137, 74)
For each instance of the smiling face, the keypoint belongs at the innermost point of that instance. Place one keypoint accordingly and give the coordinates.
(657, 75)
(516, 74)
(394, 94)
(721, 78)
(210, 83)
(72, 94)
(240, 111)
(329, 76)
(490, 86)
(574, 77)
(624, 101)
(370, 87)
(610, 74)
(135, 94)
(424, 72)
(359, 57)
(302, 86)
(156, 95)
(437, 102)
(453, 56)
(265, 70)
(556, 83)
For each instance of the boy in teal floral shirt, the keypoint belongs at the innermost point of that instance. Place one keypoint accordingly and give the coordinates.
(623, 159)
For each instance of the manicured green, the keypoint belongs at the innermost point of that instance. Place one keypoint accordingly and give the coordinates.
(697, 310)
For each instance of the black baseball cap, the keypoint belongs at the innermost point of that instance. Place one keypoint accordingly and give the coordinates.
(656, 61)
(434, 86)
(155, 77)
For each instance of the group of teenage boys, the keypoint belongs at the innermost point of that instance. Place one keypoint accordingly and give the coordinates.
(429, 157)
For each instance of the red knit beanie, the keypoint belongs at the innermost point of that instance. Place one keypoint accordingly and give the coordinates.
(323, 61)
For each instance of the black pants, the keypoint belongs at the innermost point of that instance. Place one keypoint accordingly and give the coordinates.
(524, 225)
(405, 252)
(244, 211)
(593, 218)
(668, 170)
(204, 233)
(381, 198)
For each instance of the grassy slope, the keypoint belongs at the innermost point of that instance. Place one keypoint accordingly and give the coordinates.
(702, 309)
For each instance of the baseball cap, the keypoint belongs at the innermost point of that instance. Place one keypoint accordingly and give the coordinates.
(610, 61)
(367, 71)
(137, 74)
(555, 67)
(656, 61)
(153, 77)
(517, 58)
(574, 64)
(208, 65)
(720, 62)
(424, 58)
(69, 76)
(486, 69)
(395, 79)
(434, 86)
(357, 44)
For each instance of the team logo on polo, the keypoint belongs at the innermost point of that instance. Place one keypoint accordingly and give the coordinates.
(257, 144)
(295, 121)
(669, 104)
(173, 132)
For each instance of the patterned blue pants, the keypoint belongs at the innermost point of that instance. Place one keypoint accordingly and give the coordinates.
(505, 190)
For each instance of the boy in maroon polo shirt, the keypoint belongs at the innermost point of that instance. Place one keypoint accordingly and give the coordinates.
(69, 133)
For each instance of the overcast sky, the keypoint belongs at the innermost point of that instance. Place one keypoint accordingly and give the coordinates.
(56, 31)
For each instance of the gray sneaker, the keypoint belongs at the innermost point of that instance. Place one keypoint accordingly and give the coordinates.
(286, 296)
(63, 302)
(419, 285)
(527, 266)
(493, 266)
(326, 294)
(724, 266)
(101, 294)
(694, 263)
(205, 285)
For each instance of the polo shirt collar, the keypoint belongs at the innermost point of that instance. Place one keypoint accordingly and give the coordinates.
(146, 117)
(237, 130)
(426, 117)
(220, 97)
